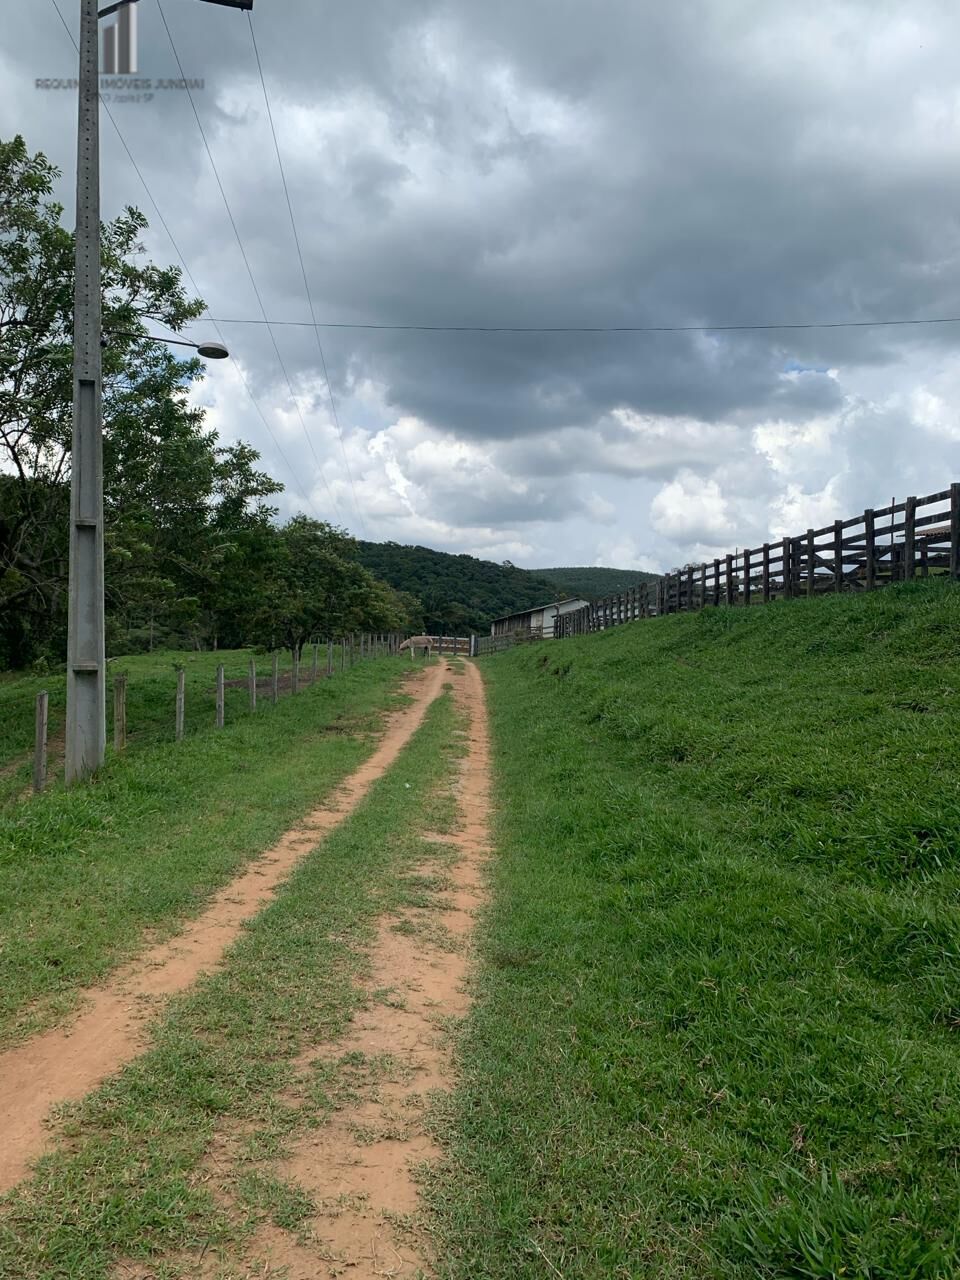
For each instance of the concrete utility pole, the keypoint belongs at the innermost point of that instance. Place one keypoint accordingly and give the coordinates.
(86, 651)
(86, 647)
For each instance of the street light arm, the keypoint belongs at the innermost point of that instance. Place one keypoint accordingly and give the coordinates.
(209, 350)
(144, 337)
(113, 8)
(120, 4)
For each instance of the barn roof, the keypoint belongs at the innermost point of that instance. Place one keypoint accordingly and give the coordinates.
(551, 604)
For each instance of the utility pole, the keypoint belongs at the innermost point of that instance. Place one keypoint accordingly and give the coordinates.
(86, 645)
(86, 649)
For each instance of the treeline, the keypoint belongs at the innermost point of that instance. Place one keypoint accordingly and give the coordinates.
(591, 583)
(193, 553)
(458, 593)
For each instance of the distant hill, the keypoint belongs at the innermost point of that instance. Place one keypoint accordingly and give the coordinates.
(593, 583)
(459, 594)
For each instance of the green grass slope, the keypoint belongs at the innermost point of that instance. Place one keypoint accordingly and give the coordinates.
(592, 583)
(86, 874)
(151, 703)
(718, 1008)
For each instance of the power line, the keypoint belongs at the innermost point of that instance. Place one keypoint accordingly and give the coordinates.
(599, 328)
(186, 270)
(246, 261)
(303, 272)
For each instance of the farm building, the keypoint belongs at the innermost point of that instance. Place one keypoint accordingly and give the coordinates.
(538, 620)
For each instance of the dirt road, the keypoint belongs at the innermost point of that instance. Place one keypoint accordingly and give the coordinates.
(68, 1062)
(360, 1168)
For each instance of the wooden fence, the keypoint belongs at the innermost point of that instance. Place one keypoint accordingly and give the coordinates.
(482, 645)
(451, 644)
(915, 538)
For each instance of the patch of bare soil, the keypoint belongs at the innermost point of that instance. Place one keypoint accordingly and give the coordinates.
(360, 1168)
(66, 1063)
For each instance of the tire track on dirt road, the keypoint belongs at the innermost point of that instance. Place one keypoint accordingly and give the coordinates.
(66, 1063)
(360, 1168)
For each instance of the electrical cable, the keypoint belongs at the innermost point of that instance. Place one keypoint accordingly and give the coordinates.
(246, 260)
(600, 328)
(303, 272)
(236, 364)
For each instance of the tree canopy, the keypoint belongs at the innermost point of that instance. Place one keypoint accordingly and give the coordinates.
(459, 593)
(192, 549)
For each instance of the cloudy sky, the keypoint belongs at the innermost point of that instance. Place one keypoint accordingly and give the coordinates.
(548, 164)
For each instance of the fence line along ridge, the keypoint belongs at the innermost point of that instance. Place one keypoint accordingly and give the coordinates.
(919, 537)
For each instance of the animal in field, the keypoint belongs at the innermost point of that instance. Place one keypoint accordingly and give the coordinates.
(418, 644)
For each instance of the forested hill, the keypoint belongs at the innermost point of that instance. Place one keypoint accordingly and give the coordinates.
(459, 593)
(592, 583)
(462, 594)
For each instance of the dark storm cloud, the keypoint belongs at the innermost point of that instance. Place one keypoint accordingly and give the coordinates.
(588, 165)
(552, 163)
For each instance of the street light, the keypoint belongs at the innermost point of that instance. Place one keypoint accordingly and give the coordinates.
(86, 646)
(209, 350)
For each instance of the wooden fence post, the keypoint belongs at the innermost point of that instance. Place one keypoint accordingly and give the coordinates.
(729, 584)
(316, 663)
(870, 550)
(716, 583)
(220, 698)
(909, 539)
(955, 531)
(40, 742)
(252, 684)
(275, 679)
(747, 585)
(181, 704)
(120, 713)
(295, 675)
(787, 567)
(838, 555)
(329, 659)
(765, 579)
(811, 562)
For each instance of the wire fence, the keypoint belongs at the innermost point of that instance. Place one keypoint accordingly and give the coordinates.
(267, 679)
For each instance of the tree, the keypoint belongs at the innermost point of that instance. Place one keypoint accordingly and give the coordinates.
(175, 502)
(191, 549)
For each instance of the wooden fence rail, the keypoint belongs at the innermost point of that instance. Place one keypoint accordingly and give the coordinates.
(918, 537)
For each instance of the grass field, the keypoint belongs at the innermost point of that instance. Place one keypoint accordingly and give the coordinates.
(85, 872)
(719, 1003)
(129, 1184)
(151, 701)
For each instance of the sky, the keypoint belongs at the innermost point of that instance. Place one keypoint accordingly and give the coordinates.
(545, 164)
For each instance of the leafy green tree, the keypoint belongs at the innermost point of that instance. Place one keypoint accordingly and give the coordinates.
(177, 505)
(318, 590)
(192, 551)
